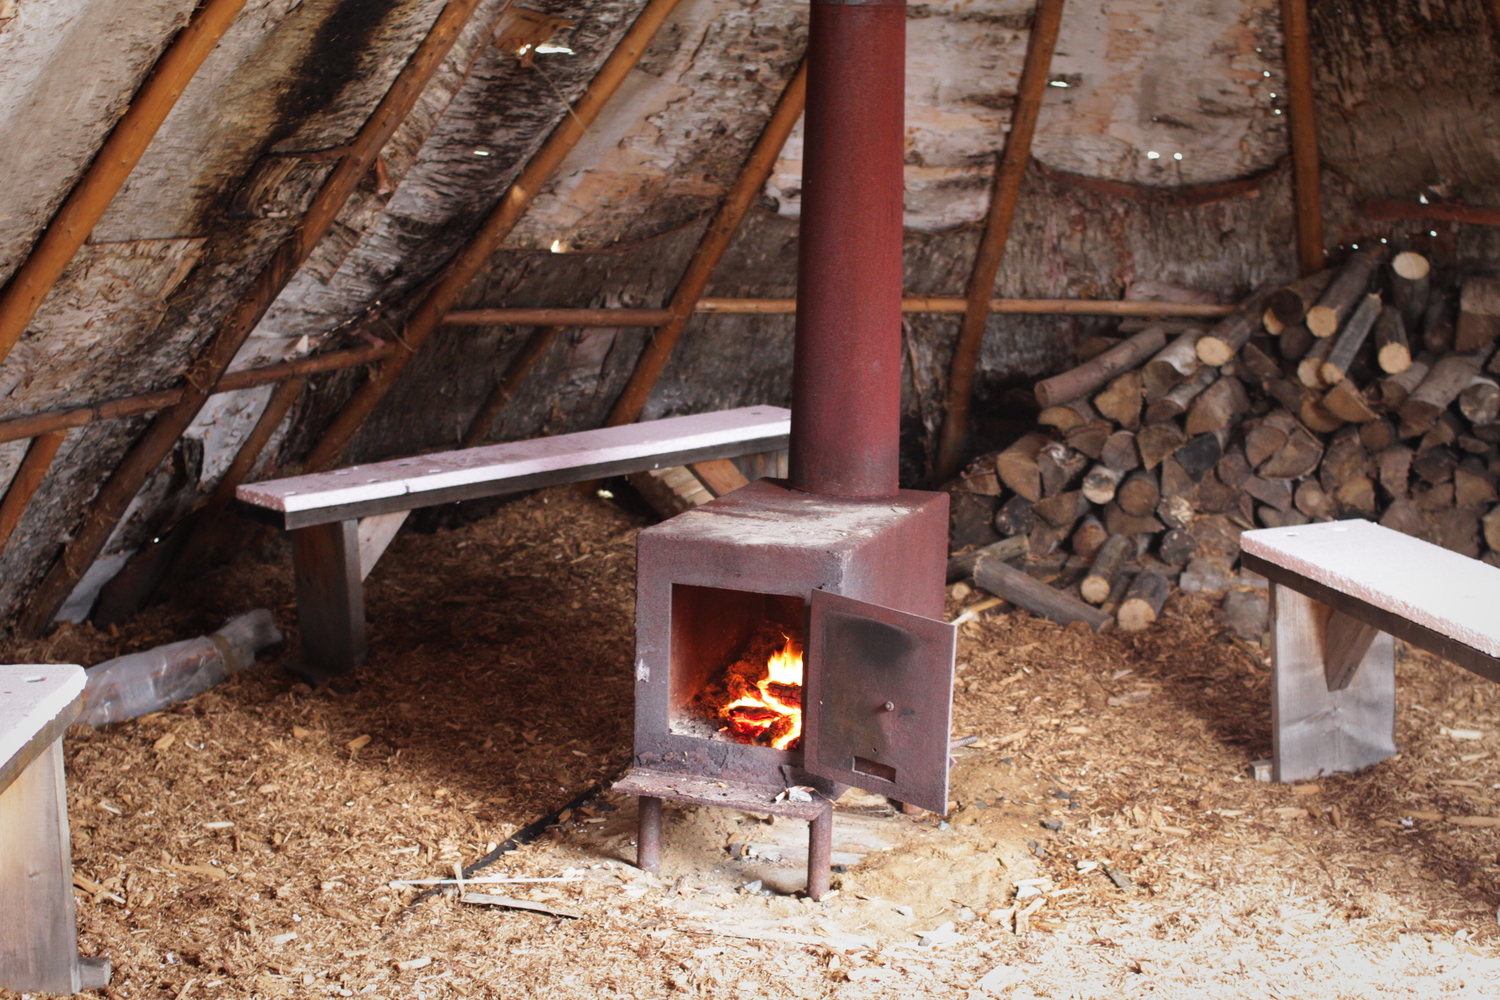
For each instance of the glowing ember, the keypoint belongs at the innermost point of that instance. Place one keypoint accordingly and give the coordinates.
(767, 711)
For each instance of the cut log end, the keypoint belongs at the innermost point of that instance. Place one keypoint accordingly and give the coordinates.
(1410, 265)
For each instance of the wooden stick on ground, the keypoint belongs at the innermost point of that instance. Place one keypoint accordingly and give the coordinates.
(1038, 598)
(1009, 173)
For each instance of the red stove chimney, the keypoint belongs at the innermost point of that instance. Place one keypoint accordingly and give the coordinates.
(846, 379)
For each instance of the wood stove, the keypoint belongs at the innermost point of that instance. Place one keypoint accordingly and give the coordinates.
(837, 559)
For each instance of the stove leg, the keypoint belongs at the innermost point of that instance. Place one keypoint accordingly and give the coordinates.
(819, 855)
(648, 836)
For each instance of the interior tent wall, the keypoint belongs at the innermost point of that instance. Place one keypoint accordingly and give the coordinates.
(1404, 90)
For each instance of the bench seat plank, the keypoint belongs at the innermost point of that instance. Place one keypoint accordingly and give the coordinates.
(37, 702)
(1429, 596)
(403, 484)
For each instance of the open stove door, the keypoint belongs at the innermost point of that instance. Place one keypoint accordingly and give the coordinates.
(878, 703)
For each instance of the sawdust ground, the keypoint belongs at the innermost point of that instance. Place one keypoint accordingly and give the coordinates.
(498, 690)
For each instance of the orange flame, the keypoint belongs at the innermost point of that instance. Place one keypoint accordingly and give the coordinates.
(770, 714)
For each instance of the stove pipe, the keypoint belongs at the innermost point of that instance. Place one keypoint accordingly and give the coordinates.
(846, 379)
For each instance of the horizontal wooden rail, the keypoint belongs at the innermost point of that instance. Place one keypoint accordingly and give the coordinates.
(1392, 210)
(19, 428)
(785, 307)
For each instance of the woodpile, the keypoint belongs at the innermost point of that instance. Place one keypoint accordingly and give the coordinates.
(1368, 390)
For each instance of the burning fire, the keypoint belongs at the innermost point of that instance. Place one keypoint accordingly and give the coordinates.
(769, 711)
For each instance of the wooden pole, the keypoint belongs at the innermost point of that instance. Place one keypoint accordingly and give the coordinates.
(1304, 134)
(716, 239)
(27, 480)
(20, 428)
(1392, 210)
(531, 352)
(157, 442)
(1009, 174)
(113, 164)
(787, 307)
(474, 254)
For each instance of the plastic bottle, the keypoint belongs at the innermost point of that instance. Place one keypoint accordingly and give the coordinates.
(145, 682)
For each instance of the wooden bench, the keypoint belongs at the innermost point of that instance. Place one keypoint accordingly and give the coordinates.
(342, 520)
(1340, 591)
(38, 932)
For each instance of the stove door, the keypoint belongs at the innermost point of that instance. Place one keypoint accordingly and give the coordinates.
(879, 699)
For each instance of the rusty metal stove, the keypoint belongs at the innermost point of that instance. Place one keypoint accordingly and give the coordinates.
(837, 552)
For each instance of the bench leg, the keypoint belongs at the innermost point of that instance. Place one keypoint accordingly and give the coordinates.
(1315, 730)
(330, 599)
(38, 932)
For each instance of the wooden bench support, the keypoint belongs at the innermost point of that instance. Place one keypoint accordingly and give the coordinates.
(38, 929)
(330, 599)
(1341, 593)
(1333, 704)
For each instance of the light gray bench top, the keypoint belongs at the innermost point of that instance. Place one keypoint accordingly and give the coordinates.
(406, 483)
(1436, 588)
(37, 701)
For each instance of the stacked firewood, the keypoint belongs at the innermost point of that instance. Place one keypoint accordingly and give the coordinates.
(1366, 390)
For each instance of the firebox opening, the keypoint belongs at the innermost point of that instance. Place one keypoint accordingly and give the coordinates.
(736, 666)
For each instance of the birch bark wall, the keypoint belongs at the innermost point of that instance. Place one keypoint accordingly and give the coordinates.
(1406, 99)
